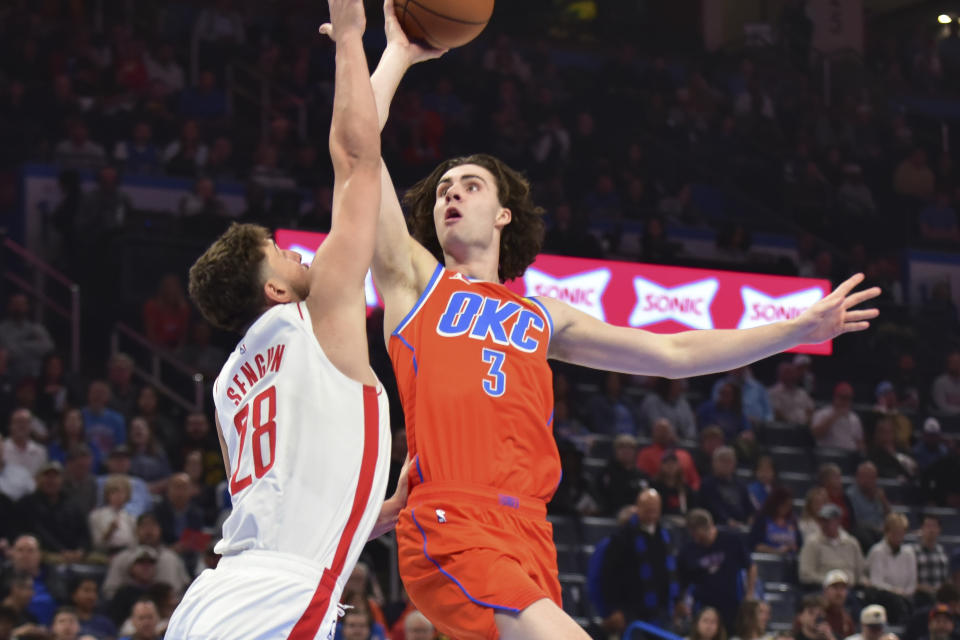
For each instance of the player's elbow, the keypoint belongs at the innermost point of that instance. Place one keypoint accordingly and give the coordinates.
(355, 145)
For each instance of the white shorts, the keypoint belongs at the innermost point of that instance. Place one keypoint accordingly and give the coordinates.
(257, 595)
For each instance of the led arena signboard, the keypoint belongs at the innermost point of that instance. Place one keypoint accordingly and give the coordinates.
(656, 298)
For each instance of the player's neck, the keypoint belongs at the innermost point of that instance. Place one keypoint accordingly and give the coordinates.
(476, 267)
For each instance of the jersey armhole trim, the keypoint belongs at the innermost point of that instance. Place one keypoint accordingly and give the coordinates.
(431, 285)
(545, 312)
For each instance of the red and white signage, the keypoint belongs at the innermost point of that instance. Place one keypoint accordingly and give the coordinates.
(653, 297)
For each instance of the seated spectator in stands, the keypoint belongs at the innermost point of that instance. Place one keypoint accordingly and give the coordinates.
(205, 101)
(753, 395)
(26, 341)
(148, 460)
(638, 576)
(609, 412)
(809, 521)
(417, 627)
(707, 625)
(197, 435)
(810, 623)
(105, 428)
(678, 498)
(941, 623)
(832, 548)
(668, 400)
(836, 588)
(84, 596)
(19, 448)
(177, 512)
(830, 478)
(204, 214)
(356, 624)
(112, 528)
(837, 426)
(888, 406)
(765, 477)
(68, 434)
(187, 155)
(854, 196)
(106, 209)
(205, 496)
(149, 408)
(804, 365)
(938, 220)
(15, 481)
(725, 412)
(873, 623)
(620, 482)
(123, 390)
(165, 69)
(869, 504)
(946, 387)
(933, 566)
(221, 165)
(752, 620)
(892, 569)
(913, 177)
(166, 316)
(145, 619)
(58, 523)
(25, 397)
(947, 595)
(53, 394)
(118, 463)
(930, 447)
(77, 151)
(569, 428)
(723, 494)
(141, 576)
(25, 560)
(775, 528)
(790, 402)
(19, 598)
(664, 440)
(890, 462)
(66, 624)
(79, 483)
(170, 567)
(203, 356)
(712, 563)
(139, 155)
(268, 173)
(711, 439)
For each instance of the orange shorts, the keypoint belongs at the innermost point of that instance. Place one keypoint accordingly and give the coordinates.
(467, 552)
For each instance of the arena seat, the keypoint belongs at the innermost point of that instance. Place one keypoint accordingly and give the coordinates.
(793, 459)
(564, 530)
(593, 530)
(773, 568)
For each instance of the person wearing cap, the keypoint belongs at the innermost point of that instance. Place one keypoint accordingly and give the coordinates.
(118, 463)
(945, 392)
(664, 440)
(620, 482)
(933, 566)
(19, 448)
(837, 426)
(941, 622)
(57, 522)
(141, 574)
(170, 566)
(791, 403)
(723, 494)
(873, 622)
(832, 548)
(892, 569)
(947, 595)
(930, 446)
(888, 406)
(639, 573)
(678, 498)
(836, 588)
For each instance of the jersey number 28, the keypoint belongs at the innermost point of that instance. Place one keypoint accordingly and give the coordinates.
(264, 424)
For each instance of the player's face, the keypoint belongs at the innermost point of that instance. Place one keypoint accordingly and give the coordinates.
(286, 272)
(467, 212)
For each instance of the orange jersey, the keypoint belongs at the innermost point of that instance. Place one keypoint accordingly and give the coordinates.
(471, 365)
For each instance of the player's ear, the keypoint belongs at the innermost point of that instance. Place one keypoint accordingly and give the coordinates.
(504, 217)
(276, 291)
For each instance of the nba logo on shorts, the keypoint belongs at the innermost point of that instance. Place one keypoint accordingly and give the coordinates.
(441, 516)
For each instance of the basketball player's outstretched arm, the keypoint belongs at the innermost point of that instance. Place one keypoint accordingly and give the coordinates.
(582, 339)
(401, 265)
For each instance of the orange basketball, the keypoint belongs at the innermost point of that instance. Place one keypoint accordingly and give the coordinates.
(443, 24)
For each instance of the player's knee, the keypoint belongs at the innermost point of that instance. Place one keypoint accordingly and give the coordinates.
(542, 620)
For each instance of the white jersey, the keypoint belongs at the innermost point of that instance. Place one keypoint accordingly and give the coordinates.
(309, 453)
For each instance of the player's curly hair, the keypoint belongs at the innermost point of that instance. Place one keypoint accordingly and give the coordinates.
(226, 282)
(520, 240)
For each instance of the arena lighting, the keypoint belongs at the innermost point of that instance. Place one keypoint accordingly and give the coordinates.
(944, 19)
(657, 298)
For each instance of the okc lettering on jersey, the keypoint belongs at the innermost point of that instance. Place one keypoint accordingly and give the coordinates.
(484, 318)
(262, 364)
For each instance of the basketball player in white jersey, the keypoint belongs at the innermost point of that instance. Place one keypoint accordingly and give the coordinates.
(303, 420)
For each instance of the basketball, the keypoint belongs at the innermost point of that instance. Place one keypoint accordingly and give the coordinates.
(443, 24)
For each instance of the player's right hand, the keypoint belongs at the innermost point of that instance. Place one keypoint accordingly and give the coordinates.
(345, 16)
(398, 40)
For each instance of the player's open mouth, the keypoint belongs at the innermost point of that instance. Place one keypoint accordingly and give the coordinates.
(451, 214)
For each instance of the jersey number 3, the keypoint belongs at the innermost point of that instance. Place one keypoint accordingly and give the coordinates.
(264, 424)
(495, 382)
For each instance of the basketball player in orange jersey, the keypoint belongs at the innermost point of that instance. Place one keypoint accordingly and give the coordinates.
(475, 549)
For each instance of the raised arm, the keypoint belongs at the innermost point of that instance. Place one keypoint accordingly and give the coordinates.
(401, 266)
(584, 340)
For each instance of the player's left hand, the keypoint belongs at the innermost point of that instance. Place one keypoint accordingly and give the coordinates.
(345, 16)
(403, 485)
(835, 314)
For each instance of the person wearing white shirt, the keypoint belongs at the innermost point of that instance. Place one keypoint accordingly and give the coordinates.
(873, 622)
(19, 448)
(836, 425)
(111, 526)
(15, 481)
(892, 568)
(791, 403)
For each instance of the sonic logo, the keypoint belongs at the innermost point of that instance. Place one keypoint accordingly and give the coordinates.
(583, 291)
(687, 304)
(760, 309)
